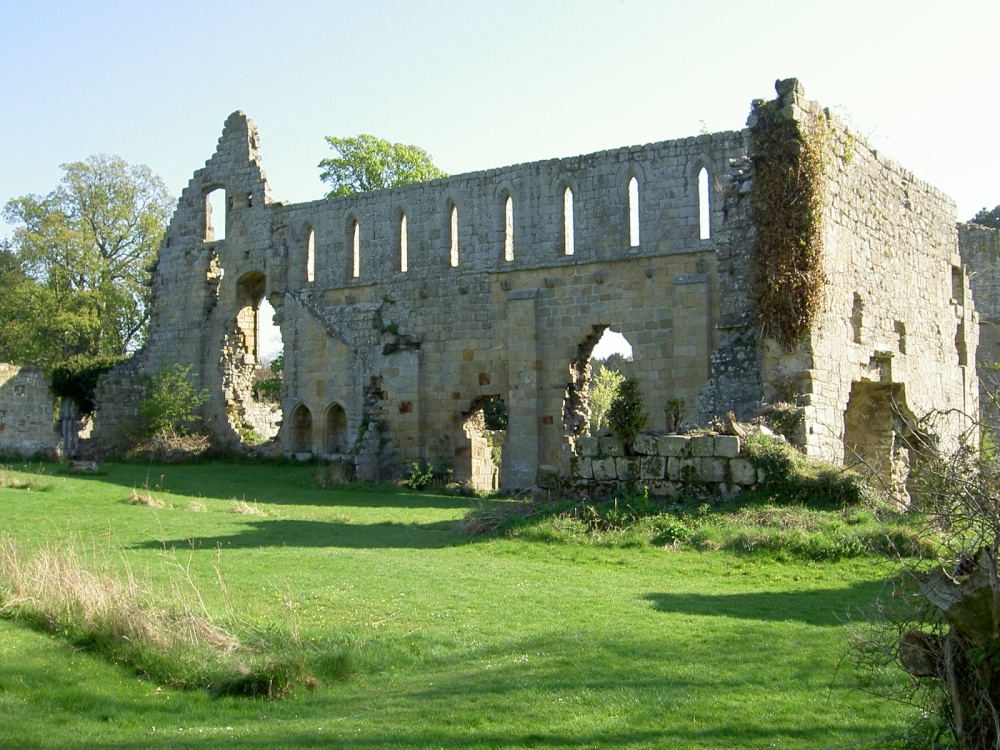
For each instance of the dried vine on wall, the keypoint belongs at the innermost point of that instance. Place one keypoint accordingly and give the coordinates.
(786, 203)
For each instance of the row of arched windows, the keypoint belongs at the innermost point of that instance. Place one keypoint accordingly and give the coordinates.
(568, 225)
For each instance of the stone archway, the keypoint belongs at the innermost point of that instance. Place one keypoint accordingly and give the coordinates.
(335, 437)
(877, 435)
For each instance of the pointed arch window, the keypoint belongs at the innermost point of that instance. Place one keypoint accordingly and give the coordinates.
(508, 229)
(633, 212)
(704, 212)
(454, 235)
(311, 256)
(403, 260)
(356, 249)
(568, 243)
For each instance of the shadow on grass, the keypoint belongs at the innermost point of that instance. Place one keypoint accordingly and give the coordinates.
(303, 533)
(280, 484)
(822, 607)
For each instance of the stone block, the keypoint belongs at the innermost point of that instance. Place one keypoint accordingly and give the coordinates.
(627, 467)
(584, 468)
(664, 489)
(611, 446)
(548, 477)
(653, 467)
(645, 445)
(743, 472)
(588, 446)
(727, 446)
(674, 445)
(683, 469)
(604, 469)
(713, 470)
(703, 445)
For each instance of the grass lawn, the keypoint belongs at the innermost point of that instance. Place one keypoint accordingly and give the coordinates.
(454, 642)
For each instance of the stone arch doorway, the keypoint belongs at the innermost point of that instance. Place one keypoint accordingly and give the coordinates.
(878, 439)
(478, 462)
(254, 411)
(301, 430)
(335, 436)
(615, 352)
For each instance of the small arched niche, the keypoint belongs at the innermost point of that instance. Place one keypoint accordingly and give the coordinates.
(335, 434)
(300, 440)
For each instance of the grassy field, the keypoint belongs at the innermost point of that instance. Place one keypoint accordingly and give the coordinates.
(452, 642)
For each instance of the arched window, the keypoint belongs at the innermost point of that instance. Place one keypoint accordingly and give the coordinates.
(335, 436)
(215, 215)
(508, 229)
(704, 215)
(403, 261)
(356, 249)
(633, 212)
(454, 235)
(311, 256)
(568, 248)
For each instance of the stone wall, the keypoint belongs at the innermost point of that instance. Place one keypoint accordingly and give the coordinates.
(980, 248)
(897, 334)
(665, 464)
(403, 311)
(26, 413)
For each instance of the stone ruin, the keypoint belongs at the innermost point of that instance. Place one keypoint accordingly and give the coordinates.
(404, 312)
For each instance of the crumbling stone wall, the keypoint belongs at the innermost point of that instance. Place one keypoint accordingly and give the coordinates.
(980, 249)
(26, 413)
(400, 310)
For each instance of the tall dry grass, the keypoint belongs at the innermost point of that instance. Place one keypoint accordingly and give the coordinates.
(171, 638)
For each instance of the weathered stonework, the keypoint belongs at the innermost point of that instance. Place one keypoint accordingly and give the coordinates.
(404, 312)
(26, 415)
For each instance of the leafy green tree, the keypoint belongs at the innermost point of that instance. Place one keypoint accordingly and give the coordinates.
(987, 218)
(604, 387)
(368, 163)
(626, 417)
(86, 247)
(171, 403)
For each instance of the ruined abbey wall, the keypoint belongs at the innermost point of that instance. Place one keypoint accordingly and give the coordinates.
(26, 414)
(404, 311)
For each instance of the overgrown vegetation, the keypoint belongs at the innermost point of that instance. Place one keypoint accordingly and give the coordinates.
(171, 639)
(626, 415)
(77, 377)
(786, 204)
(171, 403)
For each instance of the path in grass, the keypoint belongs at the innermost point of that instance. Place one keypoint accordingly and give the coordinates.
(456, 643)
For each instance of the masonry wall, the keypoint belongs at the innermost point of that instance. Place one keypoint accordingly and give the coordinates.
(499, 296)
(26, 414)
(980, 249)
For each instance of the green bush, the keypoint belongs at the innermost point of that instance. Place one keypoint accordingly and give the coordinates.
(171, 403)
(626, 417)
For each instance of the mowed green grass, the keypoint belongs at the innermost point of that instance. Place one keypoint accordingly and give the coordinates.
(455, 642)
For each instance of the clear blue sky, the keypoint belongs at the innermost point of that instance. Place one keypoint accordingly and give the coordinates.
(484, 84)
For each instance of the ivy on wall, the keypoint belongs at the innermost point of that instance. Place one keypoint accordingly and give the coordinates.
(786, 204)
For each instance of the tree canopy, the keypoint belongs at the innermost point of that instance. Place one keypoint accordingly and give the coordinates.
(74, 272)
(368, 163)
(988, 218)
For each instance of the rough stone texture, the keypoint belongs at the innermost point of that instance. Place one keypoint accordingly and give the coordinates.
(981, 253)
(389, 357)
(26, 414)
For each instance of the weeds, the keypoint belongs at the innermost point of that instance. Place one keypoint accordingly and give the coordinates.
(172, 640)
(243, 508)
(26, 479)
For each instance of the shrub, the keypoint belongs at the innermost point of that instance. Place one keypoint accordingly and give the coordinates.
(171, 404)
(625, 415)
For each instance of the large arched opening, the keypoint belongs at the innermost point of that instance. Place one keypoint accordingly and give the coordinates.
(603, 360)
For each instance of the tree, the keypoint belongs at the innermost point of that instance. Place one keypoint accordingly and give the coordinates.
(988, 218)
(368, 163)
(604, 387)
(80, 257)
